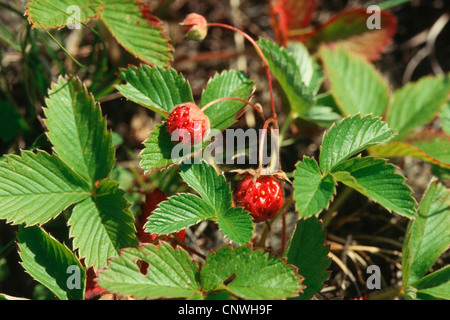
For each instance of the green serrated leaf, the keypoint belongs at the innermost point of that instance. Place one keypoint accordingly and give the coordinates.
(307, 252)
(322, 115)
(157, 153)
(58, 14)
(253, 274)
(178, 213)
(432, 147)
(230, 83)
(355, 83)
(155, 88)
(434, 293)
(310, 71)
(48, 261)
(102, 225)
(213, 188)
(184, 210)
(435, 145)
(35, 188)
(287, 72)
(236, 224)
(78, 131)
(171, 273)
(161, 152)
(142, 37)
(377, 180)
(210, 185)
(312, 191)
(402, 149)
(417, 103)
(428, 234)
(351, 136)
(436, 284)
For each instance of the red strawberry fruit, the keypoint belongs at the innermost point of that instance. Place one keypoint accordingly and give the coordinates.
(263, 198)
(152, 199)
(189, 117)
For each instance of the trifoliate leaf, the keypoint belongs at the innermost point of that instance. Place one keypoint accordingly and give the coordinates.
(251, 274)
(214, 203)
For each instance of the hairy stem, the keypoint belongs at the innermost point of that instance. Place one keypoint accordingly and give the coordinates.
(263, 58)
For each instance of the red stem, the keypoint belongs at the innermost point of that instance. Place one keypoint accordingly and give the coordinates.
(258, 110)
(263, 58)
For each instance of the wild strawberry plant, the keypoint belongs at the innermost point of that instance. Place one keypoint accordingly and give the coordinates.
(147, 256)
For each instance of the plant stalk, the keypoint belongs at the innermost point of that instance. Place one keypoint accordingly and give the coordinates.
(387, 294)
(263, 58)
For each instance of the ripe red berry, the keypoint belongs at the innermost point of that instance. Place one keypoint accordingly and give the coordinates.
(262, 198)
(189, 117)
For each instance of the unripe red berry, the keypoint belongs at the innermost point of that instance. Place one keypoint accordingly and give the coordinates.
(195, 27)
(189, 117)
(263, 198)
